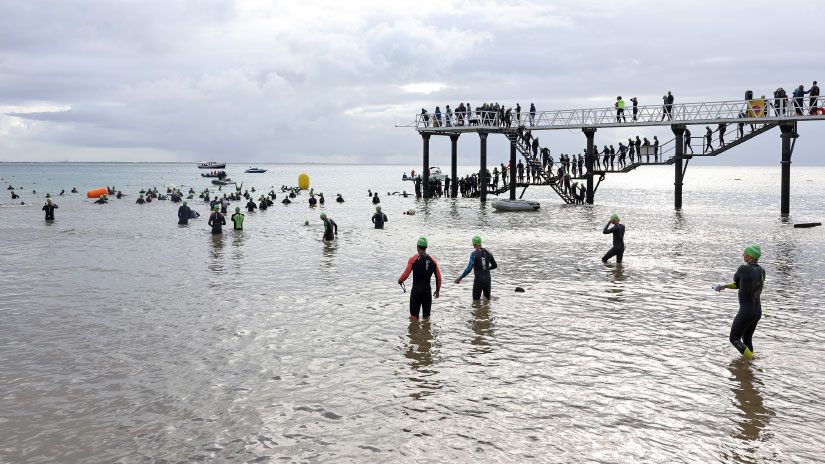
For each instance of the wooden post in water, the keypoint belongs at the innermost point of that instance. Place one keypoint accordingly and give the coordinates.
(512, 169)
(453, 166)
(788, 134)
(425, 178)
(589, 132)
(679, 132)
(482, 176)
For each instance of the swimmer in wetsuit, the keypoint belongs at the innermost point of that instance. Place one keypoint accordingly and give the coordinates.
(481, 262)
(237, 219)
(330, 228)
(102, 200)
(263, 205)
(216, 220)
(321, 198)
(251, 206)
(618, 239)
(422, 266)
(49, 208)
(749, 279)
(140, 200)
(375, 199)
(312, 200)
(184, 213)
(339, 199)
(379, 218)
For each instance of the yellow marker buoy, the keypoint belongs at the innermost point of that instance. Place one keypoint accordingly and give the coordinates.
(303, 181)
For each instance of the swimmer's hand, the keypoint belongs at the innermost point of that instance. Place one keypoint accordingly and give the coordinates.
(458, 281)
(719, 288)
(436, 294)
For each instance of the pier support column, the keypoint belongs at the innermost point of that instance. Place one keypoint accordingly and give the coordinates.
(679, 132)
(788, 135)
(425, 176)
(482, 176)
(453, 166)
(589, 132)
(512, 169)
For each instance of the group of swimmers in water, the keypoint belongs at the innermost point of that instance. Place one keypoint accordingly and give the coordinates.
(749, 279)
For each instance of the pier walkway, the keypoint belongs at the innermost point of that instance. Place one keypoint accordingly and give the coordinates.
(758, 115)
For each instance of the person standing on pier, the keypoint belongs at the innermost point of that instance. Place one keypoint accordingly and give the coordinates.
(749, 279)
(669, 105)
(535, 147)
(49, 208)
(687, 141)
(646, 145)
(620, 109)
(635, 108)
(814, 94)
(605, 156)
(481, 263)
(448, 116)
(722, 128)
(655, 148)
(612, 157)
(437, 121)
(532, 114)
(632, 149)
(639, 148)
(520, 169)
(708, 138)
(618, 239)
(422, 266)
(798, 99)
(518, 114)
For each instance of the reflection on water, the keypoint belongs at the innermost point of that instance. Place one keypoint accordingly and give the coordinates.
(216, 253)
(421, 350)
(754, 416)
(482, 324)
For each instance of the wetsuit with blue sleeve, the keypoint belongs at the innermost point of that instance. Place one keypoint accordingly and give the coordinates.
(749, 279)
(618, 242)
(481, 263)
(422, 266)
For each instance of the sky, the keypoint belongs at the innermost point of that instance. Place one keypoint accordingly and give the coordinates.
(328, 82)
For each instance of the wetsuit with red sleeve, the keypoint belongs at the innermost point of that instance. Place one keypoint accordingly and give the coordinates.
(422, 266)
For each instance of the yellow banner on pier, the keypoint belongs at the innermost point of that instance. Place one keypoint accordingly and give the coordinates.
(757, 109)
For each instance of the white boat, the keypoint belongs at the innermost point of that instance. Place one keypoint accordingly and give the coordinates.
(515, 205)
(255, 171)
(435, 171)
(210, 165)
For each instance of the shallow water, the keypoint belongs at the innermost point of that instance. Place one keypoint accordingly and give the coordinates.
(127, 338)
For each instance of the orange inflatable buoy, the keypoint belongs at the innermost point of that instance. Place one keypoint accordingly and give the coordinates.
(96, 193)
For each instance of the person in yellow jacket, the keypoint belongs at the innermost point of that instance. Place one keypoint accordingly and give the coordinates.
(620, 109)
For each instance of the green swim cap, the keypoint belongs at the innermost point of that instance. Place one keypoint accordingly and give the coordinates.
(306, 223)
(237, 209)
(184, 202)
(615, 217)
(216, 208)
(422, 242)
(477, 240)
(378, 208)
(323, 215)
(754, 251)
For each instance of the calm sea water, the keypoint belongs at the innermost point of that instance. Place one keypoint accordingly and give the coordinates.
(127, 338)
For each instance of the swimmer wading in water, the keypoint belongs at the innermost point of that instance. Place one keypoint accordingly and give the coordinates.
(481, 262)
(749, 279)
(422, 266)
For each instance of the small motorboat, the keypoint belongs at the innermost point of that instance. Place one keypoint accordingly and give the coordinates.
(435, 171)
(406, 177)
(217, 174)
(255, 171)
(211, 165)
(515, 205)
(224, 181)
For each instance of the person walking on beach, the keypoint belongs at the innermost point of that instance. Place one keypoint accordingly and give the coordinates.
(618, 239)
(481, 263)
(422, 266)
(49, 208)
(330, 228)
(379, 218)
(217, 220)
(237, 219)
(749, 279)
(183, 213)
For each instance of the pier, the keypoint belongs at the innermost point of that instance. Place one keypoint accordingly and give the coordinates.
(758, 115)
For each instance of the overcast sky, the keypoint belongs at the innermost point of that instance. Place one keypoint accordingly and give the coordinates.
(306, 81)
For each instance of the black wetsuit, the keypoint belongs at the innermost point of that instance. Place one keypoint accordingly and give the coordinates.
(618, 242)
(312, 201)
(183, 214)
(49, 209)
(251, 206)
(422, 266)
(376, 200)
(216, 220)
(263, 205)
(330, 229)
(749, 279)
(481, 263)
(379, 219)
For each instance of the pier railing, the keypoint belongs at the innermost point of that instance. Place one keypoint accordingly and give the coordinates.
(755, 111)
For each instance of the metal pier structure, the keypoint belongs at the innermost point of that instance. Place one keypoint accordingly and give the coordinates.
(757, 115)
